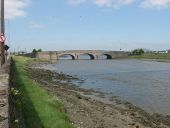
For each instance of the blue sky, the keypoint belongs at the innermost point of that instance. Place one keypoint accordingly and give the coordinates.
(88, 24)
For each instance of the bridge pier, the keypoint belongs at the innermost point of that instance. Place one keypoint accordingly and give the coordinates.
(53, 55)
(76, 56)
(97, 57)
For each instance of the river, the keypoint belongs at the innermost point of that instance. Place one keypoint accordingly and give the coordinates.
(146, 84)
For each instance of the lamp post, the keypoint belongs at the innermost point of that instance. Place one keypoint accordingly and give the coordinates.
(2, 31)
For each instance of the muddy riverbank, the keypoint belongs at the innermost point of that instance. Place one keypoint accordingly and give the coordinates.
(86, 107)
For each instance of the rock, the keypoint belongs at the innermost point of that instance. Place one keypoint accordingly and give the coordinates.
(132, 114)
(137, 126)
(131, 124)
(2, 117)
(2, 92)
(2, 104)
(79, 96)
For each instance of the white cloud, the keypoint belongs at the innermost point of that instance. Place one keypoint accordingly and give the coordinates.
(119, 3)
(155, 4)
(76, 2)
(15, 8)
(112, 3)
(103, 3)
(35, 25)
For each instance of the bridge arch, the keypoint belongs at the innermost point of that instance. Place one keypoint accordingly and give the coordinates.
(71, 55)
(92, 57)
(108, 56)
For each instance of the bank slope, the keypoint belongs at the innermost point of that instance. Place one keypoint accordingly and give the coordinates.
(39, 109)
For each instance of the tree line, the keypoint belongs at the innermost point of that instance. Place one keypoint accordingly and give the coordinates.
(35, 50)
(137, 52)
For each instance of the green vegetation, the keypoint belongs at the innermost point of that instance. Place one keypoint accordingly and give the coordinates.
(165, 56)
(137, 52)
(35, 51)
(39, 109)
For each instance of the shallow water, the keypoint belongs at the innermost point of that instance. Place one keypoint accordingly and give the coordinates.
(146, 84)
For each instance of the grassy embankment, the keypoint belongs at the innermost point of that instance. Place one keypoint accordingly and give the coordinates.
(39, 109)
(157, 56)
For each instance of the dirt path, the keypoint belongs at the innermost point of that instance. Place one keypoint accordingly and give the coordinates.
(89, 111)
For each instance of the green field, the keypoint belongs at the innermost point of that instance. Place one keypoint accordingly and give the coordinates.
(165, 56)
(39, 109)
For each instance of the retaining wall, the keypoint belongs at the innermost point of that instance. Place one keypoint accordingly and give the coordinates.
(4, 87)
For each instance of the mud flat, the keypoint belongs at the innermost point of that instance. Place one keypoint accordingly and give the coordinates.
(86, 108)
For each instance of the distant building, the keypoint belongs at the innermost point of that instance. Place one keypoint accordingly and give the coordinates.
(164, 51)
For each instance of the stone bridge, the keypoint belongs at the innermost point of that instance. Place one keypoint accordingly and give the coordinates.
(94, 54)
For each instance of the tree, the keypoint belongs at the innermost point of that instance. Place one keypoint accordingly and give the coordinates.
(34, 51)
(39, 50)
(138, 52)
(141, 51)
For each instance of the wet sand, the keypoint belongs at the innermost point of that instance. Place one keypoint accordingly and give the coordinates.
(87, 108)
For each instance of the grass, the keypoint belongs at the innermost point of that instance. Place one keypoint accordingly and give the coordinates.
(40, 110)
(152, 56)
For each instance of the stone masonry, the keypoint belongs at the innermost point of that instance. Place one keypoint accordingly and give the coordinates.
(4, 97)
(94, 54)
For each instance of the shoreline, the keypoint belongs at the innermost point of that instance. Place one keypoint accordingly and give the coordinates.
(87, 111)
(158, 60)
(154, 60)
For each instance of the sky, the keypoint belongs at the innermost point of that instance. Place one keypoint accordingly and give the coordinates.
(87, 24)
